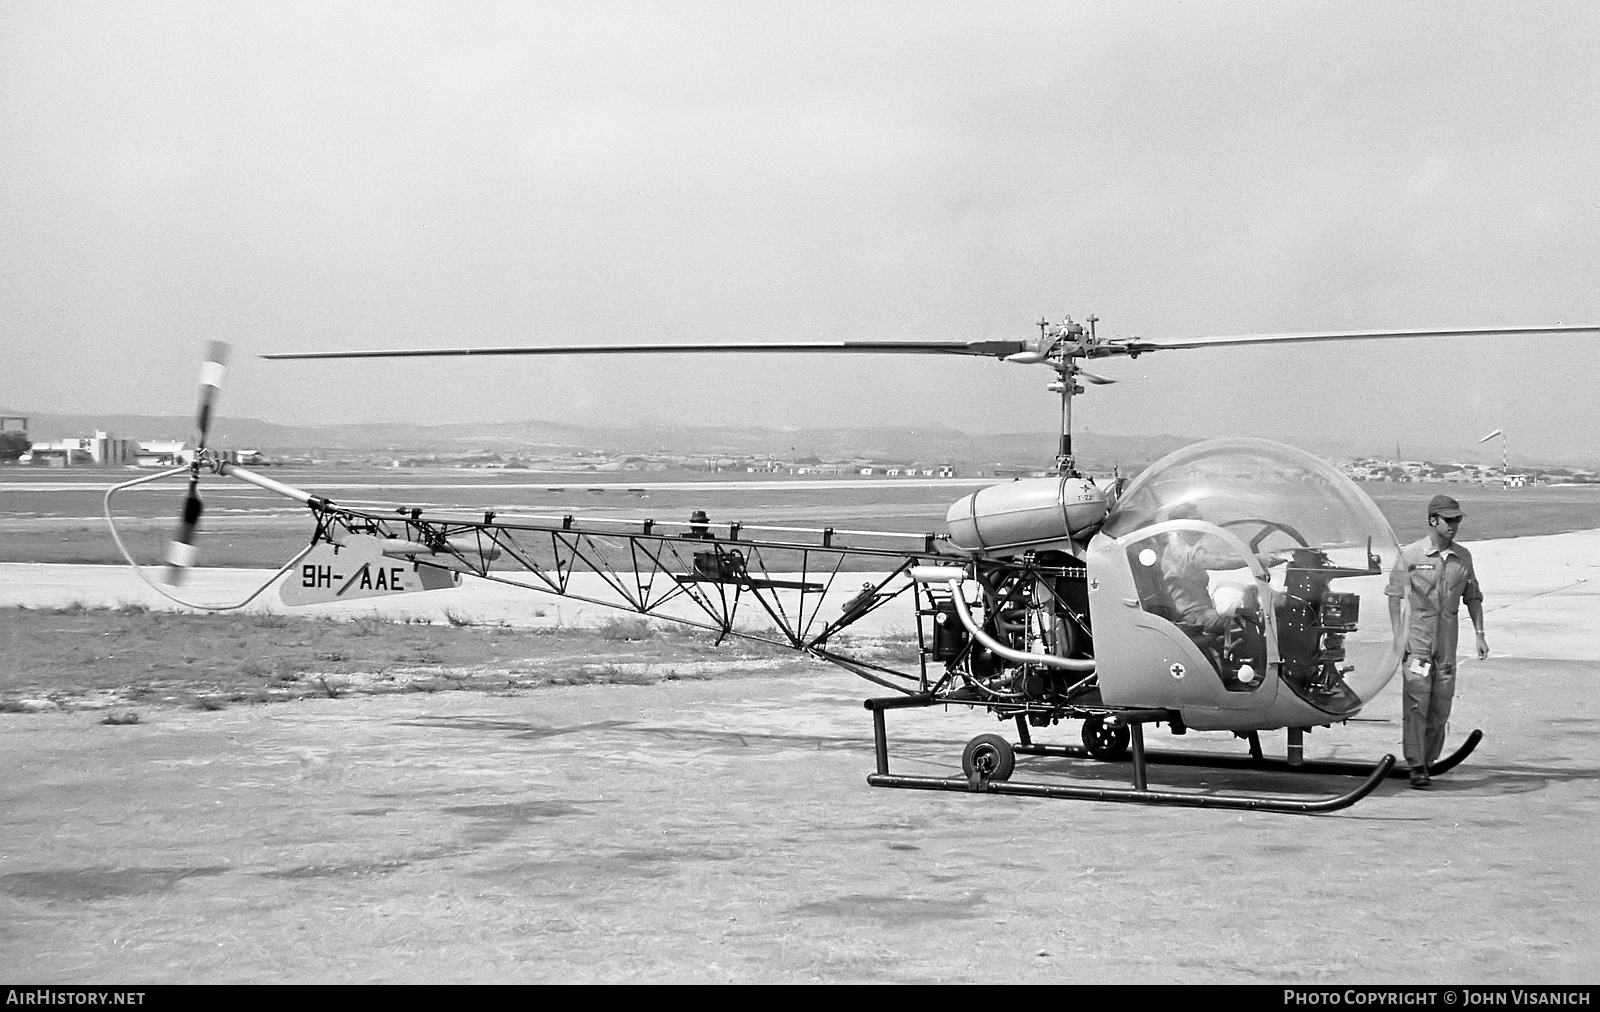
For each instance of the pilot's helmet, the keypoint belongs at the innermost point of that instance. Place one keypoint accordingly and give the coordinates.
(1231, 598)
(699, 517)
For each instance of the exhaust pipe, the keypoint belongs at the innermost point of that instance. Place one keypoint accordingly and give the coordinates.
(952, 576)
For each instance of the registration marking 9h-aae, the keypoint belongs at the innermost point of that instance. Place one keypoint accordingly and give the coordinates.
(358, 569)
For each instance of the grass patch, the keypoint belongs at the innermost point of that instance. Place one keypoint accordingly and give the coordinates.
(369, 625)
(121, 717)
(228, 657)
(627, 630)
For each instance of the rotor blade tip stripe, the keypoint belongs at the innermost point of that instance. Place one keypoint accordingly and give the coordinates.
(181, 555)
(212, 374)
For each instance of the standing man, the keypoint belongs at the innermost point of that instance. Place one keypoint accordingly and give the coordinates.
(1434, 576)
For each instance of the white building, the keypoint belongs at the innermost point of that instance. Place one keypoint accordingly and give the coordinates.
(101, 449)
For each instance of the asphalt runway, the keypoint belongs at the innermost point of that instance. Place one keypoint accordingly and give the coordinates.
(723, 831)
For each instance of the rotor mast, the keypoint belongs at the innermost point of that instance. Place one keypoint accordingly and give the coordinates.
(1061, 347)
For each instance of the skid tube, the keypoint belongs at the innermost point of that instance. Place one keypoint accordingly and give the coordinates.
(1256, 761)
(1140, 794)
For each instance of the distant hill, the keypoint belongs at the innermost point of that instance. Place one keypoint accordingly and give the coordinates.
(929, 445)
(252, 432)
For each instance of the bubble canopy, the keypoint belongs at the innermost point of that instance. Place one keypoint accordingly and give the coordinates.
(1322, 543)
(1230, 480)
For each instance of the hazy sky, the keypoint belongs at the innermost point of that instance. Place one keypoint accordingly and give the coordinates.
(353, 175)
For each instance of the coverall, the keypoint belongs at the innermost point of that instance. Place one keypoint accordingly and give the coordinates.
(1435, 582)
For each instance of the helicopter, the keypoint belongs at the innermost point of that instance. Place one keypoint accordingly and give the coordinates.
(1233, 585)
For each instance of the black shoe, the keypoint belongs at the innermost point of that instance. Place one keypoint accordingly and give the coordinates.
(1420, 779)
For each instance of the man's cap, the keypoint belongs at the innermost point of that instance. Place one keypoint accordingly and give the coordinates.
(1444, 506)
(700, 515)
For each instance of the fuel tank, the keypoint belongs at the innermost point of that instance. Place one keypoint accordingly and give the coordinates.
(1030, 513)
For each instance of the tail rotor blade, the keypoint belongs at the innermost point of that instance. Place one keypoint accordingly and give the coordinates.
(181, 552)
(212, 372)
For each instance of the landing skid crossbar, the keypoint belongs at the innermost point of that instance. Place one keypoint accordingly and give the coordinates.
(1139, 794)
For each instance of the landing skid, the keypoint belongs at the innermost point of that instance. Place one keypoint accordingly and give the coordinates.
(1256, 761)
(981, 782)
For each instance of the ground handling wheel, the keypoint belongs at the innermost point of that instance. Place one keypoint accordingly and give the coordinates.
(988, 757)
(1107, 742)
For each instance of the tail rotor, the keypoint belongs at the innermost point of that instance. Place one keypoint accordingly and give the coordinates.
(181, 552)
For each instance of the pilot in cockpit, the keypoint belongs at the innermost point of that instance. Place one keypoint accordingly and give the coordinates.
(1185, 563)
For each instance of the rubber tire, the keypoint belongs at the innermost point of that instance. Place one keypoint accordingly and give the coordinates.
(1107, 744)
(990, 756)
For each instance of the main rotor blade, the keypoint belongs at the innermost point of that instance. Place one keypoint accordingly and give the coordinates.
(1139, 345)
(980, 349)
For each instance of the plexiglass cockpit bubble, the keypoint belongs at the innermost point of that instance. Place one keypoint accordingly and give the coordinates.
(1271, 561)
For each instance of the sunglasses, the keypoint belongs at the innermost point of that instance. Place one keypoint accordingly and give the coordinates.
(1452, 521)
